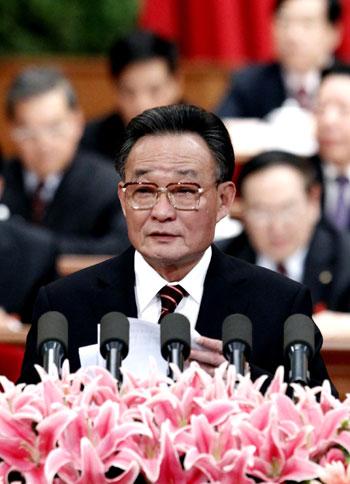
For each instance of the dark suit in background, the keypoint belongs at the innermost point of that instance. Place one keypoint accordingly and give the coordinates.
(104, 135)
(231, 286)
(326, 269)
(85, 214)
(27, 261)
(254, 92)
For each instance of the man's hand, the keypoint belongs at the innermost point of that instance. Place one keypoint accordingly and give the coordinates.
(210, 357)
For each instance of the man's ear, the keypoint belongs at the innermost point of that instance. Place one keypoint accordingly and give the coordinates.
(121, 196)
(226, 196)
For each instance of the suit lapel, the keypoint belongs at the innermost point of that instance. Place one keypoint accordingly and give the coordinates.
(223, 294)
(115, 287)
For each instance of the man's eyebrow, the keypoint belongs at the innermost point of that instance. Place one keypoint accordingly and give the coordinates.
(183, 172)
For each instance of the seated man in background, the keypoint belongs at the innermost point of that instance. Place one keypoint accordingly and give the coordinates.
(176, 166)
(69, 192)
(306, 34)
(27, 261)
(333, 135)
(144, 74)
(283, 231)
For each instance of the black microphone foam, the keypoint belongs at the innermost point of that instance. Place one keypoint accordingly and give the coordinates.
(52, 326)
(237, 327)
(299, 328)
(175, 328)
(114, 327)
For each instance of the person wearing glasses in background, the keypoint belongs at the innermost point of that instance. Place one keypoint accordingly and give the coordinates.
(176, 167)
(51, 183)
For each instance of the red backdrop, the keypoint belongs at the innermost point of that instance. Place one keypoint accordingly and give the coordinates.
(230, 31)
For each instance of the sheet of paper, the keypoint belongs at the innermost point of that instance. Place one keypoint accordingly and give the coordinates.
(144, 341)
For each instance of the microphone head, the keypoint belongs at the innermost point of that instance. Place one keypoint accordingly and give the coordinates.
(52, 326)
(237, 327)
(114, 327)
(299, 328)
(175, 328)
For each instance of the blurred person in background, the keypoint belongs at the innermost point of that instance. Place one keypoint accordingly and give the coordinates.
(145, 74)
(27, 261)
(284, 230)
(305, 35)
(333, 135)
(51, 183)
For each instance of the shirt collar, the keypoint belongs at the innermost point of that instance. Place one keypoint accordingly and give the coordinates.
(294, 264)
(51, 182)
(309, 81)
(148, 282)
(331, 172)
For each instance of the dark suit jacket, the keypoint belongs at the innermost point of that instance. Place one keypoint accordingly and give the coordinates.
(231, 286)
(85, 214)
(326, 269)
(254, 91)
(27, 261)
(104, 136)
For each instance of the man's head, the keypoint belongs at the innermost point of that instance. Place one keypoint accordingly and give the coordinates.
(189, 151)
(306, 33)
(333, 116)
(45, 121)
(144, 69)
(280, 202)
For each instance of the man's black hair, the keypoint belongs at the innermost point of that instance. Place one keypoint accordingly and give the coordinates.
(334, 9)
(306, 166)
(337, 68)
(141, 45)
(177, 119)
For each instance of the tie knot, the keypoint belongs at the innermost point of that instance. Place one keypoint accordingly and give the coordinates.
(342, 180)
(170, 297)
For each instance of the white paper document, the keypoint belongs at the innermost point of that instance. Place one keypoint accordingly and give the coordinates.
(144, 341)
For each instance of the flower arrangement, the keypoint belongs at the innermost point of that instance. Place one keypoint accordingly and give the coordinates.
(84, 429)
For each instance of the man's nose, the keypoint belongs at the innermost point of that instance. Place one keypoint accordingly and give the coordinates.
(163, 209)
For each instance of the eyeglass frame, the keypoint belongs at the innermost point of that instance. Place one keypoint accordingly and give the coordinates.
(159, 190)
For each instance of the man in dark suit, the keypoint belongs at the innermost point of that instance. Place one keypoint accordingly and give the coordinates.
(333, 136)
(306, 35)
(144, 73)
(68, 192)
(283, 231)
(176, 167)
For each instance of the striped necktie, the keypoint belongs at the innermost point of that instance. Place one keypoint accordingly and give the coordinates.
(170, 297)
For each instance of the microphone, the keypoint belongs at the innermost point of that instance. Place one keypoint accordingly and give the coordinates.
(299, 345)
(52, 341)
(175, 340)
(237, 340)
(114, 341)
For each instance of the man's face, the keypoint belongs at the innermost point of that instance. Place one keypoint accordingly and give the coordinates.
(333, 120)
(304, 38)
(279, 216)
(172, 240)
(144, 85)
(46, 132)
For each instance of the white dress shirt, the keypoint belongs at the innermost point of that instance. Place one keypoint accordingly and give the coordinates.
(148, 283)
(293, 264)
(51, 182)
(332, 188)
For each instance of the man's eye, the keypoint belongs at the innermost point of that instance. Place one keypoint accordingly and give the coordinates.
(185, 190)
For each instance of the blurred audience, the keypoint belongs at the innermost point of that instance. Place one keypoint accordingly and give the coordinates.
(305, 34)
(284, 232)
(27, 261)
(144, 73)
(333, 133)
(69, 192)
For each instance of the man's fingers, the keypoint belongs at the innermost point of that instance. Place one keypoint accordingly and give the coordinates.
(212, 358)
(210, 343)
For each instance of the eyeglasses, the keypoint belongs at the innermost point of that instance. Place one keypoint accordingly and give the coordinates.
(264, 216)
(144, 196)
(52, 130)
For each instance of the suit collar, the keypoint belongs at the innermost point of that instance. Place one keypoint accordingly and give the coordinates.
(223, 293)
(115, 286)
